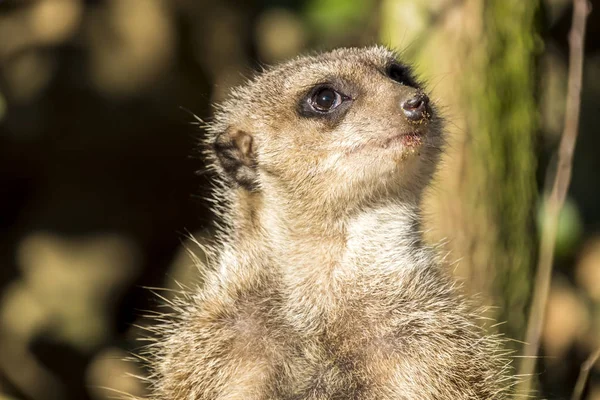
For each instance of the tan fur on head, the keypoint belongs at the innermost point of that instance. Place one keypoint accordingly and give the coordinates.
(332, 158)
(323, 288)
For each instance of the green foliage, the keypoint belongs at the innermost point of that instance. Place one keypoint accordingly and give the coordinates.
(335, 16)
(569, 231)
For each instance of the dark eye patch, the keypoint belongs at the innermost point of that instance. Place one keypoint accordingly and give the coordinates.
(401, 74)
(323, 101)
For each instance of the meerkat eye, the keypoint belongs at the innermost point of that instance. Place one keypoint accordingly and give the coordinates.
(400, 74)
(325, 99)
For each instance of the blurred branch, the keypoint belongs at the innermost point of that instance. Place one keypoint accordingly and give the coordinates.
(584, 373)
(555, 200)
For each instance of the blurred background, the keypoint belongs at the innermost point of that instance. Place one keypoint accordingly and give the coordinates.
(102, 182)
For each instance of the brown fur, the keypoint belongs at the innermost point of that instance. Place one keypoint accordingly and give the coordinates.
(323, 288)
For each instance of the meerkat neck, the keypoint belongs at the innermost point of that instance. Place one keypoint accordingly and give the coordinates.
(315, 253)
(305, 240)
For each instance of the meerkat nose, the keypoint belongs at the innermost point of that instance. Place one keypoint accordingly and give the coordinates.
(416, 108)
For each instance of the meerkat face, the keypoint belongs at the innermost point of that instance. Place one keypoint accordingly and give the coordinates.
(350, 124)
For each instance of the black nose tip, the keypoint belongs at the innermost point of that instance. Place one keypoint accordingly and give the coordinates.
(416, 108)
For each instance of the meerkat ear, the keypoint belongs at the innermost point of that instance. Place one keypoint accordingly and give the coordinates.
(235, 155)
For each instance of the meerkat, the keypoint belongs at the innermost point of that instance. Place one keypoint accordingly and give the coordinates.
(323, 287)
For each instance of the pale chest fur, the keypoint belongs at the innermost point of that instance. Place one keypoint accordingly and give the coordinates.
(377, 302)
(360, 273)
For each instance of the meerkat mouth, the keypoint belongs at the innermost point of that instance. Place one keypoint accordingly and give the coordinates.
(407, 139)
(401, 142)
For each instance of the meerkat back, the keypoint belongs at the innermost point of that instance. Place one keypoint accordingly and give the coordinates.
(323, 288)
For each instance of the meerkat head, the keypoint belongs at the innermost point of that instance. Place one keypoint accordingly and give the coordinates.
(347, 126)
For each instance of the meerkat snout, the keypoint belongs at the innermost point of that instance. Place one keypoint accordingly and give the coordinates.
(416, 108)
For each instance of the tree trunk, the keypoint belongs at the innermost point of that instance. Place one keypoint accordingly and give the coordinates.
(479, 57)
